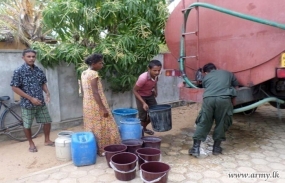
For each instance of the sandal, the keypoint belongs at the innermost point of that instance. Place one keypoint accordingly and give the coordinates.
(33, 149)
(149, 132)
(50, 144)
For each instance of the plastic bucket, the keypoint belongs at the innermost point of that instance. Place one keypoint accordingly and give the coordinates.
(160, 117)
(122, 113)
(130, 128)
(148, 154)
(154, 172)
(132, 144)
(124, 164)
(112, 150)
(151, 141)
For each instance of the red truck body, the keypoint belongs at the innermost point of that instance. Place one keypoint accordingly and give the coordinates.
(252, 51)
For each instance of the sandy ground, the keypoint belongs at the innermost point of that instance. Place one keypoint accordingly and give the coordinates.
(16, 161)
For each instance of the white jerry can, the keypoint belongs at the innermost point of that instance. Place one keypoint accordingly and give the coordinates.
(63, 146)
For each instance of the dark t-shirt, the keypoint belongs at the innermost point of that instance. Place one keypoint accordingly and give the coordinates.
(31, 82)
(219, 83)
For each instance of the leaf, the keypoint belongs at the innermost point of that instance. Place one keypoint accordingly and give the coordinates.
(127, 32)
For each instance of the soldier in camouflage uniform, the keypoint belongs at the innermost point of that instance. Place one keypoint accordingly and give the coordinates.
(220, 89)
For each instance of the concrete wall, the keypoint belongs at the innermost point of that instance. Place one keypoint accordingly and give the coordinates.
(12, 45)
(66, 104)
(168, 92)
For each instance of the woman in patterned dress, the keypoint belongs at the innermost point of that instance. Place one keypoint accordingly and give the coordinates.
(96, 113)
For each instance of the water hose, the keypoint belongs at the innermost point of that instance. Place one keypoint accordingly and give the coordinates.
(256, 104)
(222, 10)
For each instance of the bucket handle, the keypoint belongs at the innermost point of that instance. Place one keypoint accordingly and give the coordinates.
(152, 181)
(146, 160)
(114, 168)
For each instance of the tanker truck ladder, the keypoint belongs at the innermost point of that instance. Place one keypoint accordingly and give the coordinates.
(193, 32)
(186, 13)
(184, 34)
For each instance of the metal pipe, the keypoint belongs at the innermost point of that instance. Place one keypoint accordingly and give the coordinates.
(189, 33)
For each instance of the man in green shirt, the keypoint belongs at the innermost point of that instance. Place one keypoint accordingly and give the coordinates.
(217, 105)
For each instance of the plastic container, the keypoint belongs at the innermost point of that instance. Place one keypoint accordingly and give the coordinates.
(133, 145)
(83, 148)
(130, 128)
(148, 154)
(154, 172)
(160, 117)
(111, 150)
(63, 146)
(122, 113)
(124, 164)
(151, 141)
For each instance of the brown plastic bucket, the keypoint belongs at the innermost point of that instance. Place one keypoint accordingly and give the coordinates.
(151, 141)
(154, 172)
(111, 150)
(132, 144)
(148, 154)
(124, 164)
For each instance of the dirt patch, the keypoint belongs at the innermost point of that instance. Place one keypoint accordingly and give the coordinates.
(16, 161)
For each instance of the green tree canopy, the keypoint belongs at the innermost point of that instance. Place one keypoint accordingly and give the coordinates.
(127, 32)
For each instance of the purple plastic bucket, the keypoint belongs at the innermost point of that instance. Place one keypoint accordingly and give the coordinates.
(148, 154)
(151, 141)
(112, 150)
(124, 164)
(132, 144)
(154, 172)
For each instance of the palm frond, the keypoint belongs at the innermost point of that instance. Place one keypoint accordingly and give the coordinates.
(23, 19)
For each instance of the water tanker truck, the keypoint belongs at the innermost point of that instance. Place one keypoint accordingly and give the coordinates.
(246, 37)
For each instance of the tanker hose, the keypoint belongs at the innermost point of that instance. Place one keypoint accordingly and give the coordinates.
(256, 104)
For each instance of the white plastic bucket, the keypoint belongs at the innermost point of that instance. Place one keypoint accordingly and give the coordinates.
(62, 146)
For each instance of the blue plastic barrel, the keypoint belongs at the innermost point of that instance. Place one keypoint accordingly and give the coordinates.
(83, 148)
(130, 128)
(122, 113)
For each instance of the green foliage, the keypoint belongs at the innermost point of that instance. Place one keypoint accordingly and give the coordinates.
(127, 32)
